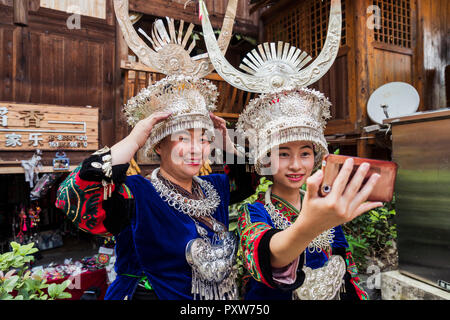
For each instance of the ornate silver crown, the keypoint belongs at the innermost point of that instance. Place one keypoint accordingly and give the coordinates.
(276, 66)
(286, 111)
(183, 92)
(169, 54)
(288, 115)
(188, 99)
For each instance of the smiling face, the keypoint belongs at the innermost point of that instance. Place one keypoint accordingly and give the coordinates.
(292, 163)
(184, 153)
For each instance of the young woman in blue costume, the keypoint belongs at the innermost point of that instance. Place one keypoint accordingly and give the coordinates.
(276, 231)
(170, 230)
(292, 243)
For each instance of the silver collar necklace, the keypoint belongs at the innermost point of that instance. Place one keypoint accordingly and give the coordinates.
(323, 241)
(213, 275)
(191, 207)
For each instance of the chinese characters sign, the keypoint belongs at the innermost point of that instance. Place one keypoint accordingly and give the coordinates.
(47, 127)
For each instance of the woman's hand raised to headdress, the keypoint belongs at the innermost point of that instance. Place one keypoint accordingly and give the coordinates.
(142, 129)
(225, 143)
(123, 151)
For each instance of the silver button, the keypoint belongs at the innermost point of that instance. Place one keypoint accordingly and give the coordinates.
(96, 165)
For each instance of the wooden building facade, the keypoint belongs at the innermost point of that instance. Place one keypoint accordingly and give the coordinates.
(382, 41)
(72, 53)
(47, 56)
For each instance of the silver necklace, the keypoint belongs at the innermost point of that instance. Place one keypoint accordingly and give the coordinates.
(213, 275)
(191, 207)
(323, 241)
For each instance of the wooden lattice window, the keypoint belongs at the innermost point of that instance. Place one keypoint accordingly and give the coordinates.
(395, 22)
(305, 25)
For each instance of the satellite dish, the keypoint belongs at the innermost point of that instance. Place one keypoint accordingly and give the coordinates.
(392, 100)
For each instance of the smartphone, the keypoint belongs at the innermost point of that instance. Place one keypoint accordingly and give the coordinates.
(384, 189)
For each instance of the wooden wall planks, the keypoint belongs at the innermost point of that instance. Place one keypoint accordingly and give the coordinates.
(433, 45)
(45, 62)
(96, 9)
(245, 22)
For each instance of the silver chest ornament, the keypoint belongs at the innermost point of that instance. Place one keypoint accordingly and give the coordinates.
(213, 275)
(322, 283)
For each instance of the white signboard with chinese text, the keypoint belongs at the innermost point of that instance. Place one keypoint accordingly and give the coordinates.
(47, 127)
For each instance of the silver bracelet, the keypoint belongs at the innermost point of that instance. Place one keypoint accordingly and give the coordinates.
(106, 167)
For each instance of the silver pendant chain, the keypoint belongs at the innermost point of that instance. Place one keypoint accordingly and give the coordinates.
(321, 242)
(191, 207)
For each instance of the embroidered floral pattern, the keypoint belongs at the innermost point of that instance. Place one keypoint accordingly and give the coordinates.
(285, 208)
(353, 270)
(81, 201)
(250, 235)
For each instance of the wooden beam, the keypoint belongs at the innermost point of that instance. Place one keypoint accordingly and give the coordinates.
(226, 115)
(189, 14)
(260, 5)
(20, 12)
(20, 170)
(363, 58)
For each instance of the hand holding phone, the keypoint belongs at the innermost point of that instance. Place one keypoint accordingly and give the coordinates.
(384, 189)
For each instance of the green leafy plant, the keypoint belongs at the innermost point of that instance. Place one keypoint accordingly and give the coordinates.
(373, 235)
(17, 282)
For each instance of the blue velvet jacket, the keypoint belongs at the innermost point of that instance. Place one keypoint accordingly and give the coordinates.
(158, 235)
(151, 236)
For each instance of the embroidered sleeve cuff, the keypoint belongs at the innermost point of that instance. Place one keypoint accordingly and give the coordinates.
(91, 170)
(288, 274)
(295, 276)
(119, 210)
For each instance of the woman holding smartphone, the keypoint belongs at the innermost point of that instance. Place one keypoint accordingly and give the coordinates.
(285, 128)
(287, 228)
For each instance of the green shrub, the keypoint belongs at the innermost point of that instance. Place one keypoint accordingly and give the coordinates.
(16, 277)
(372, 234)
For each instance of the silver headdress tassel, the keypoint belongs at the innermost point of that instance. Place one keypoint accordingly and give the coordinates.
(286, 111)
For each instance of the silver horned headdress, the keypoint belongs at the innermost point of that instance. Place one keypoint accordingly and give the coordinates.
(182, 92)
(286, 111)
